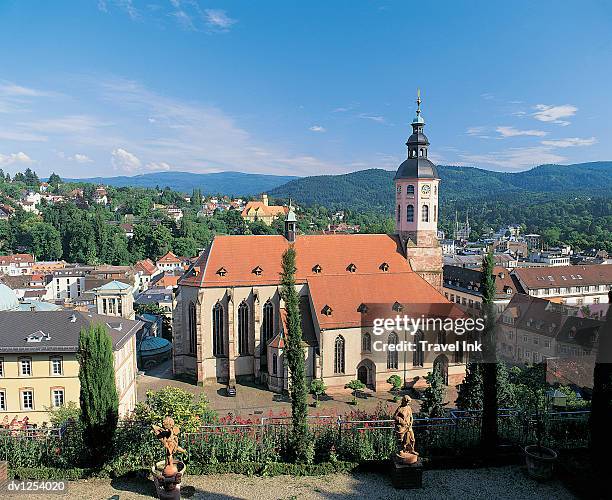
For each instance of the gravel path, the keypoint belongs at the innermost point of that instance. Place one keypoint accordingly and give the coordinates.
(488, 484)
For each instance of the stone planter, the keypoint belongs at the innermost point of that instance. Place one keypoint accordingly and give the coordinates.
(168, 487)
(540, 461)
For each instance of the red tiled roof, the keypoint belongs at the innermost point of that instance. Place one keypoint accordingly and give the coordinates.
(146, 266)
(564, 276)
(239, 256)
(262, 209)
(169, 258)
(16, 258)
(345, 294)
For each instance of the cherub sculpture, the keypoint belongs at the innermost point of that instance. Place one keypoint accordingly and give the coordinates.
(168, 435)
(403, 429)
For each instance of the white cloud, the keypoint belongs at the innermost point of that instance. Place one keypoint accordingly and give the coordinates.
(80, 158)
(125, 161)
(569, 142)
(184, 20)
(218, 20)
(374, 118)
(14, 90)
(514, 158)
(476, 131)
(553, 114)
(12, 158)
(317, 128)
(513, 132)
(67, 124)
(160, 165)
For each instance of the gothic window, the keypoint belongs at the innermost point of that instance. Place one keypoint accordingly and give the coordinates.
(366, 342)
(193, 333)
(274, 364)
(218, 327)
(268, 322)
(399, 213)
(339, 355)
(243, 329)
(425, 214)
(392, 354)
(418, 356)
(410, 213)
(410, 190)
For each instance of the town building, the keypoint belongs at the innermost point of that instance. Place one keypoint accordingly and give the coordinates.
(169, 262)
(39, 366)
(462, 286)
(550, 258)
(16, 264)
(100, 196)
(263, 211)
(572, 285)
(229, 321)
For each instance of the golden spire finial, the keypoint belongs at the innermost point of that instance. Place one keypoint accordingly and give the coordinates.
(418, 101)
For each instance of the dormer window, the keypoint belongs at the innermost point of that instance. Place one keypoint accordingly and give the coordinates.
(410, 190)
(317, 269)
(362, 308)
(397, 307)
(327, 310)
(384, 267)
(257, 271)
(351, 268)
(221, 271)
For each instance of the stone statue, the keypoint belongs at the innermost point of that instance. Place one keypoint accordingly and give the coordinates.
(405, 436)
(168, 435)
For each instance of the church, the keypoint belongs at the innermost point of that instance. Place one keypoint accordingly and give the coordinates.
(230, 320)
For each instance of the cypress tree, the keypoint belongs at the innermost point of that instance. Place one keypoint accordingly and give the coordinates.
(99, 399)
(489, 366)
(433, 404)
(469, 394)
(298, 391)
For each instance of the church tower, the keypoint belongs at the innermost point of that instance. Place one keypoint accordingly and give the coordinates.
(416, 205)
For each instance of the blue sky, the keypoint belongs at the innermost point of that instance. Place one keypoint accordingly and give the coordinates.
(120, 87)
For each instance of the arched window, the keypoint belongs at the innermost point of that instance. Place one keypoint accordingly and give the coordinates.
(243, 329)
(399, 213)
(366, 342)
(274, 364)
(339, 355)
(418, 356)
(218, 328)
(391, 352)
(193, 332)
(425, 213)
(410, 213)
(410, 190)
(268, 323)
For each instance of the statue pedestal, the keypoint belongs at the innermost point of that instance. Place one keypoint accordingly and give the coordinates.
(407, 476)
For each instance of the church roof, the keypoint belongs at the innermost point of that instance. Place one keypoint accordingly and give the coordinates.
(379, 292)
(232, 260)
(417, 168)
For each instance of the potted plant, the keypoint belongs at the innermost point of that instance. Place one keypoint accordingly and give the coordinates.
(531, 394)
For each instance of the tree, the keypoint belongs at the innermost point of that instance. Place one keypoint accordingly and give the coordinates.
(318, 388)
(44, 240)
(355, 386)
(55, 180)
(489, 366)
(302, 446)
(396, 384)
(433, 403)
(469, 393)
(99, 399)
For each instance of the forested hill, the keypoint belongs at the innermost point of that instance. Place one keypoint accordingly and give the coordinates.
(229, 183)
(372, 189)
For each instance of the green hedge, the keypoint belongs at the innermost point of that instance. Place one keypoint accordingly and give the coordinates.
(245, 468)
